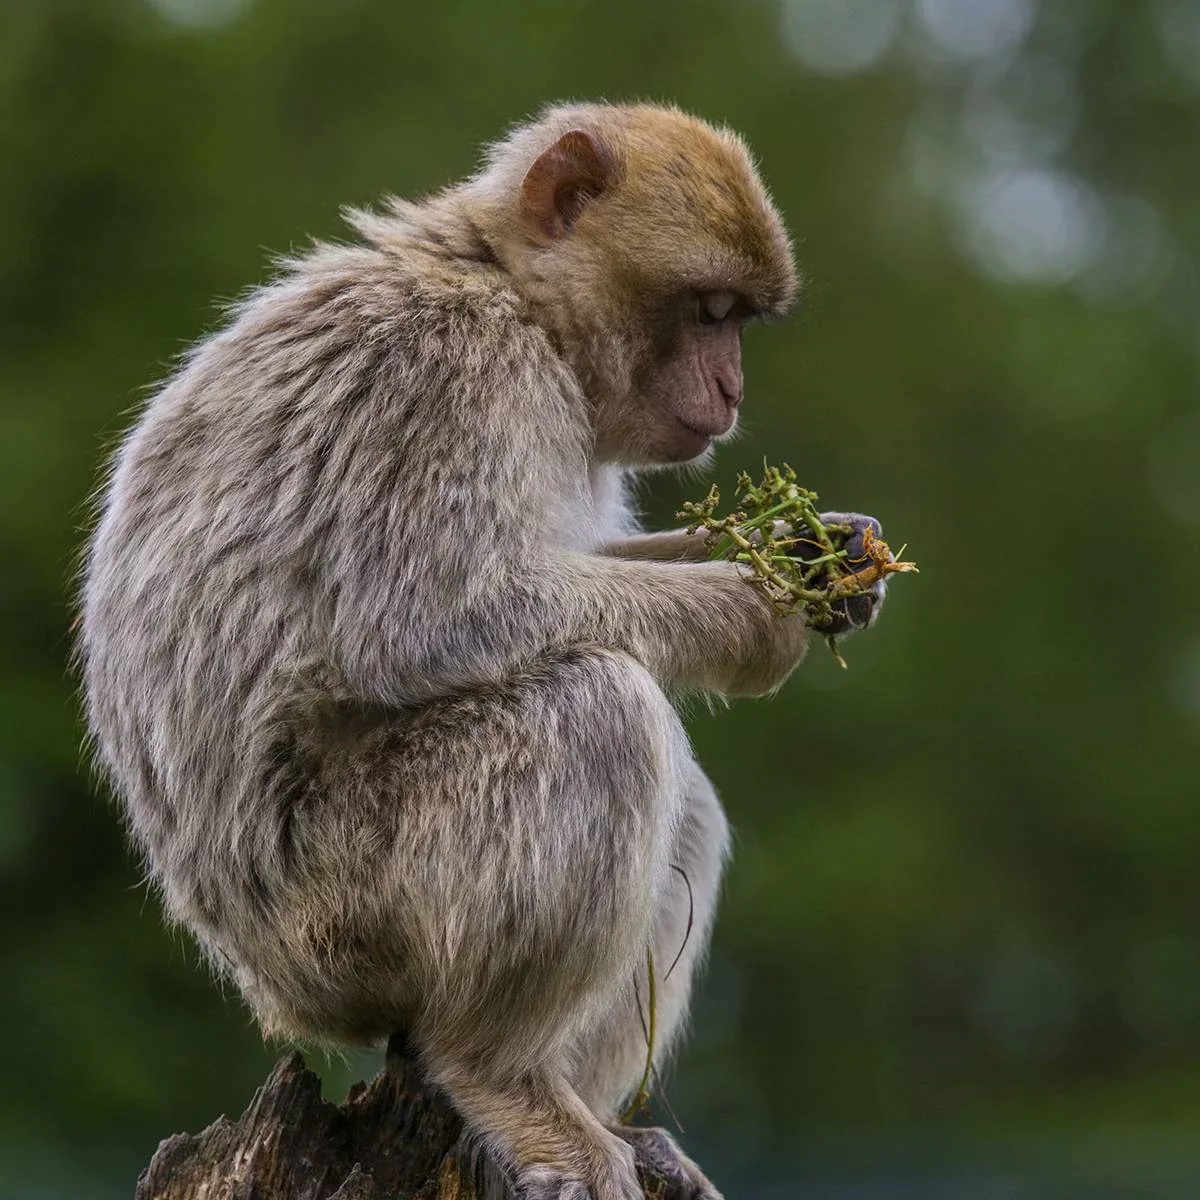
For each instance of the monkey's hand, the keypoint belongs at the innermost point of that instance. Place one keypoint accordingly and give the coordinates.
(851, 613)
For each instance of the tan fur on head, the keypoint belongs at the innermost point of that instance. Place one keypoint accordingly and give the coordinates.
(680, 187)
(694, 188)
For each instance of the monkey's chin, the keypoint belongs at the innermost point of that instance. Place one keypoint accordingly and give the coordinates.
(687, 444)
(682, 456)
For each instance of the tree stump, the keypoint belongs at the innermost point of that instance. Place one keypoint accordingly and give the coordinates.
(394, 1138)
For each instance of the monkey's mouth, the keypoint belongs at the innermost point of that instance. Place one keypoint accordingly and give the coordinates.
(698, 433)
(709, 432)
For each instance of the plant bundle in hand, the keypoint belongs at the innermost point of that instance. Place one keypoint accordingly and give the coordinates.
(794, 556)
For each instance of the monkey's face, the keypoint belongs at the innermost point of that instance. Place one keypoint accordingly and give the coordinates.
(696, 390)
(683, 386)
(651, 319)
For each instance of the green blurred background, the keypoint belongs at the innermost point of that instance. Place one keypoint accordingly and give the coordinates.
(958, 955)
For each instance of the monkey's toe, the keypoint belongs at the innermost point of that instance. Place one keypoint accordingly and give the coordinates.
(549, 1183)
(552, 1186)
(659, 1158)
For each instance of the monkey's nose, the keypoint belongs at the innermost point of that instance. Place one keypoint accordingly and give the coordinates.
(730, 389)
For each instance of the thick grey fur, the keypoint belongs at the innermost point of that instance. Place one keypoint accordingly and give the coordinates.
(379, 665)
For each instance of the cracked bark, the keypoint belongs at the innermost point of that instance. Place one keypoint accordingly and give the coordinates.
(394, 1138)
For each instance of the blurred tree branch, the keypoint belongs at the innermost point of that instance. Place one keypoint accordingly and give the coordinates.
(394, 1138)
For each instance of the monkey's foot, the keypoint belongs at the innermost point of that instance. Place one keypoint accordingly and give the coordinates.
(615, 1181)
(546, 1184)
(656, 1151)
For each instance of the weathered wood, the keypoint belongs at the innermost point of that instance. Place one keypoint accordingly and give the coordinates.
(394, 1138)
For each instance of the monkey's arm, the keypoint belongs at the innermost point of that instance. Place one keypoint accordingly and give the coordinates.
(673, 545)
(693, 625)
(670, 545)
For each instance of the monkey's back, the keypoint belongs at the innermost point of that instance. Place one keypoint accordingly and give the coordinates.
(273, 505)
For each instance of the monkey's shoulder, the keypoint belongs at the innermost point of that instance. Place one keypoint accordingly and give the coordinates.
(402, 298)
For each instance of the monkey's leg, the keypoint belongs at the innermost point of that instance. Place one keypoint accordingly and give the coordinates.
(612, 1054)
(549, 813)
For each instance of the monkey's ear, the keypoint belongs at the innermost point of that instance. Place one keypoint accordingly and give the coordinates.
(556, 189)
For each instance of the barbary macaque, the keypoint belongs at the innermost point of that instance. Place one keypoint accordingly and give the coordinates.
(379, 663)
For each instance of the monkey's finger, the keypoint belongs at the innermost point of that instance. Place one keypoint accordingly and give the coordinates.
(857, 558)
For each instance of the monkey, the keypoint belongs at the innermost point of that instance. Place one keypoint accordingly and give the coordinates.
(385, 672)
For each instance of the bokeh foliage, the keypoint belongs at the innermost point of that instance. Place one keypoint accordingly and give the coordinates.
(958, 945)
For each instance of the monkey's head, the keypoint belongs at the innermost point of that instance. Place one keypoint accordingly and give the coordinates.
(644, 241)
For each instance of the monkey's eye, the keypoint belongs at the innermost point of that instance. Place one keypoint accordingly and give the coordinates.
(714, 307)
